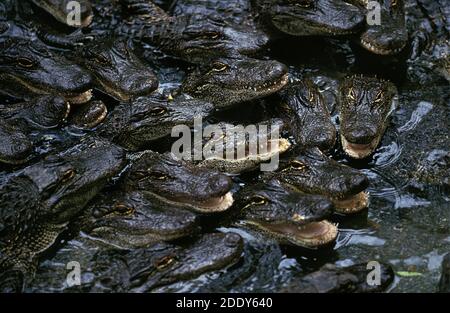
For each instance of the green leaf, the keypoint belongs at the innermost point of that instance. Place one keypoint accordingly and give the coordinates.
(409, 274)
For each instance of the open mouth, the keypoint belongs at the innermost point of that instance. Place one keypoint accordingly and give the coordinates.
(273, 147)
(359, 151)
(352, 204)
(311, 235)
(377, 50)
(211, 205)
(81, 98)
(270, 87)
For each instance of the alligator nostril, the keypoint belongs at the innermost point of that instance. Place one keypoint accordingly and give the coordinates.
(361, 136)
(232, 239)
(359, 180)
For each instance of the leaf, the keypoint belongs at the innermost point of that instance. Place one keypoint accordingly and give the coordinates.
(409, 274)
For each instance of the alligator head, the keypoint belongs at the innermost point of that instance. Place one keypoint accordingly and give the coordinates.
(199, 189)
(311, 17)
(228, 81)
(313, 172)
(365, 106)
(117, 70)
(148, 119)
(287, 215)
(28, 69)
(305, 111)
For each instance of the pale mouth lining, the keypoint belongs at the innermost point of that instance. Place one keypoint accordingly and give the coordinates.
(282, 146)
(352, 204)
(211, 205)
(359, 151)
(378, 50)
(81, 98)
(272, 86)
(310, 235)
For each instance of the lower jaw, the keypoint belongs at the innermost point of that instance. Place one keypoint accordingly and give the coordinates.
(311, 235)
(81, 98)
(368, 46)
(213, 205)
(358, 151)
(352, 204)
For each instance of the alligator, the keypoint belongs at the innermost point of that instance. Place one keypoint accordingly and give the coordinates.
(38, 201)
(139, 270)
(331, 279)
(178, 182)
(304, 110)
(150, 118)
(221, 150)
(18, 120)
(116, 70)
(61, 10)
(275, 17)
(310, 171)
(429, 24)
(130, 220)
(288, 216)
(45, 112)
(183, 37)
(15, 147)
(89, 115)
(391, 35)
(228, 81)
(365, 105)
(29, 69)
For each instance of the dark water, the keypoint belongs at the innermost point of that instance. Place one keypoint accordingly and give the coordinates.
(407, 225)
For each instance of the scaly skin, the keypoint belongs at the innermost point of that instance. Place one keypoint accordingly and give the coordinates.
(391, 36)
(366, 104)
(40, 200)
(60, 10)
(429, 25)
(304, 110)
(44, 112)
(134, 220)
(89, 115)
(229, 81)
(116, 70)
(286, 215)
(150, 118)
(138, 270)
(331, 279)
(227, 138)
(178, 182)
(309, 17)
(29, 69)
(184, 37)
(15, 147)
(310, 171)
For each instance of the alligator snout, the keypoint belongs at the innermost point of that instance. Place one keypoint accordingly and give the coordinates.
(361, 135)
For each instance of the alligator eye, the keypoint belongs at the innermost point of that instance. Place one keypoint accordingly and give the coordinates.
(101, 59)
(164, 262)
(210, 35)
(67, 175)
(219, 67)
(25, 63)
(379, 97)
(394, 3)
(302, 3)
(297, 165)
(123, 209)
(351, 94)
(158, 175)
(258, 200)
(158, 111)
(311, 97)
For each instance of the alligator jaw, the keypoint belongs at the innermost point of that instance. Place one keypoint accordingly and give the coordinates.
(352, 204)
(359, 151)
